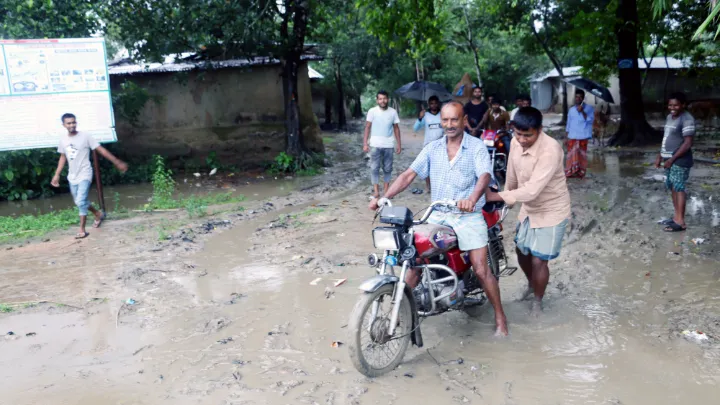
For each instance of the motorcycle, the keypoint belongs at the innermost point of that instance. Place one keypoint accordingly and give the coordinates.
(387, 316)
(498, 144)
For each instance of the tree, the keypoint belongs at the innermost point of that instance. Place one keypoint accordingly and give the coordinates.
(661, 7)
(222, 29)
(543, 24)
(28, 19)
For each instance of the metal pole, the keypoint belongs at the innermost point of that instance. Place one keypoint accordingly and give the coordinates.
(98, 181)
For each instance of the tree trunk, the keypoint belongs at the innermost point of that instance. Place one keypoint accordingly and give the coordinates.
(357, 108)
(328, 107)
(294, 145)
(342, 120)
(558, 67)
(295, 15)
(634, 128)
(471, 44)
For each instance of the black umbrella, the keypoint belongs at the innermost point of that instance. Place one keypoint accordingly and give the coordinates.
(422, 90)
(591, 87)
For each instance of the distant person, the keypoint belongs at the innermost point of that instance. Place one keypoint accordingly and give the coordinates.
(490, 99)
(579, 132)
(74, 148)
(535, 178)
(496, 118)
(676, 151)
(475, 110)
(527, 101)
(430, 120)
(383, 130)
(518, 105)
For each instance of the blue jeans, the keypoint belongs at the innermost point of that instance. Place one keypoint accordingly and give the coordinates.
(80, 195)
(384, 157)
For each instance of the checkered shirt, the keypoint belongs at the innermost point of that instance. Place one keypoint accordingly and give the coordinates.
(453, 180)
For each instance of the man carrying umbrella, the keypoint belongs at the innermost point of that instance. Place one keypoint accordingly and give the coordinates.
(579, 132)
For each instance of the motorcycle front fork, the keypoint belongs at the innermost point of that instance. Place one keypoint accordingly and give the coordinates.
(398, 296)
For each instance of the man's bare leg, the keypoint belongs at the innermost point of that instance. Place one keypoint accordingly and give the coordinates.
(525, 262)
(540, 277)
(478, 258)
(83, 221)
(386, 186)
(427, 185)
(376, 190)
(681, 199)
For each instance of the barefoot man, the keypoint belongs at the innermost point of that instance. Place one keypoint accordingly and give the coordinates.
(74, 148)
(459, 169)
(535, 177)
(383, 130)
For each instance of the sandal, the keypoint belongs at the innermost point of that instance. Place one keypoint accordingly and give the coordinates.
(665, 221)
(674, 227)
(97, 222)
(81, 235)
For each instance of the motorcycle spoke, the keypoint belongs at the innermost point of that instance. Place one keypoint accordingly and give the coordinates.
(378, 354)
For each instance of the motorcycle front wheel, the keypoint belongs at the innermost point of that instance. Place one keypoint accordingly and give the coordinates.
(372, 351)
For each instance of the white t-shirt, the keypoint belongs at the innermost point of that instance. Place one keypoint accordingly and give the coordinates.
(381, 130)
(77, 151)
(513, 112)
(433, 127)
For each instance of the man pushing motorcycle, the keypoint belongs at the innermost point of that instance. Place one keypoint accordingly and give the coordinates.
(458, 166)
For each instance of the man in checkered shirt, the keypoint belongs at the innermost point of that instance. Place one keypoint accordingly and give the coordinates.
(459, 169)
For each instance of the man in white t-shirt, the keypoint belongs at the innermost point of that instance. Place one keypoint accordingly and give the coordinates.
(430, 120)
(74, 148)
(382, 135)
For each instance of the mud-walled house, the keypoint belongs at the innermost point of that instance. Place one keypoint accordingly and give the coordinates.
(191, 108)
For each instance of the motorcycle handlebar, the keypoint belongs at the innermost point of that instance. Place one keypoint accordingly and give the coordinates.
(431, 208)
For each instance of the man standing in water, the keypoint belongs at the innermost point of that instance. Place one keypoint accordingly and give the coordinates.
(433, 127)
(383, 131)
(579, 132)
(535, 177)
(74, 148)
(677, 152)
(475, 110)
(459, 169)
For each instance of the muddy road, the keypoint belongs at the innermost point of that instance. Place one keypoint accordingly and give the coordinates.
(223, 309)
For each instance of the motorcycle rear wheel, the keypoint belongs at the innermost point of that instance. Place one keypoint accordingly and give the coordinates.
(368, 337)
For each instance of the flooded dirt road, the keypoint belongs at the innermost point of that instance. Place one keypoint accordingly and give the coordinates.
(224, 312)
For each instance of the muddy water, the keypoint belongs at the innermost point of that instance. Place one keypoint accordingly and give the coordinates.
(234, 319)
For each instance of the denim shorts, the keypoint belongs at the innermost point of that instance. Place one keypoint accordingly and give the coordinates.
(543, 243)
(80, 195)
(470, 228)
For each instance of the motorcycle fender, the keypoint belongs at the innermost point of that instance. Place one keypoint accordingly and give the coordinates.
(374, 283)
(416, 337)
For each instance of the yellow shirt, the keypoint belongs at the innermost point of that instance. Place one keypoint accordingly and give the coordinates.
(536, 178)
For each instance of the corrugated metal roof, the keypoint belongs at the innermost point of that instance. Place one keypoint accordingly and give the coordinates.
(656, 63)
(171, 64)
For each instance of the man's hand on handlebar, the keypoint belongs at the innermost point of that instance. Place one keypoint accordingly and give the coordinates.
(466, 205)
(373, 206)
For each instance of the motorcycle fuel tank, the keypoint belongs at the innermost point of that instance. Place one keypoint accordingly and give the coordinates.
(433, 239)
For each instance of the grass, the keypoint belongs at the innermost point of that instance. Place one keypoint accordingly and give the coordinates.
(5, 308)
(28, 226)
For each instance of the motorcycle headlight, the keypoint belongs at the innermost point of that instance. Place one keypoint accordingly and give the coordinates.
(386, 238)
(489, 142)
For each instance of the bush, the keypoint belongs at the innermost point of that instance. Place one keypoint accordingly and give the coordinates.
(307, 164)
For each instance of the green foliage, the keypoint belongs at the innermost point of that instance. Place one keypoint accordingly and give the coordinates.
(21, 19)
(27, 174)
(28, 225)
(130, 100)
(304, 165)
(5, 308)
(163, 185)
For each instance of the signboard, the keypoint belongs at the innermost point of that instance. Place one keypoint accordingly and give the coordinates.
(40, 80)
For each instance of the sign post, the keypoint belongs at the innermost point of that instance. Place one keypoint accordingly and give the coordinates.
(42, 79)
